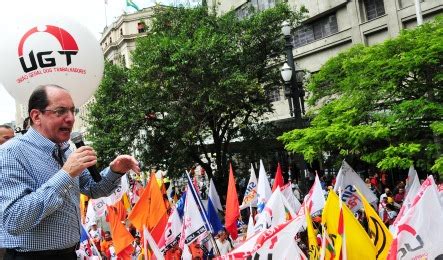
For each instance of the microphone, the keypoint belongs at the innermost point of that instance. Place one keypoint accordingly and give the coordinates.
(77, 139)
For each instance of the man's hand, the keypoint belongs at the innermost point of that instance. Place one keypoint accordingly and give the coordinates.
(124, 163)
(79, 160)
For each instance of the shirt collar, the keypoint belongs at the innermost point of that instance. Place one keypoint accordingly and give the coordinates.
(46, 144)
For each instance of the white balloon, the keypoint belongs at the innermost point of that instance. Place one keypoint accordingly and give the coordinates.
(50, 50)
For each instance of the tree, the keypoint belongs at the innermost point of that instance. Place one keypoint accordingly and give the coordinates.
(198, 82)
(381, 104)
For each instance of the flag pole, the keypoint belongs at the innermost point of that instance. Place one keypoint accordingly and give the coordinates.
(203, 213)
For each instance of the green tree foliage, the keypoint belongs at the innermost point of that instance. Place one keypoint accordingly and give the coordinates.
(380, 104)
(198, 82)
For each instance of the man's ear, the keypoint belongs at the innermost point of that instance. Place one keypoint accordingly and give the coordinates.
(35, 116)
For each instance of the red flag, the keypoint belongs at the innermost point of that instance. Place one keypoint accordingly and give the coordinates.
(232, 207)
(121, 237)
(278, 180)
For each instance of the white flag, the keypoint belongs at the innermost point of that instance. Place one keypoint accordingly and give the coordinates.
(118, 192)
(271, 243)
(250, 197)
(264, 191)
(250, 230)
(314, 200)
(419, 232)
(290, 197)
(412, 189)
(172, 231)
(213, 195)
(277, 211)
(347, 178)
(193, 224)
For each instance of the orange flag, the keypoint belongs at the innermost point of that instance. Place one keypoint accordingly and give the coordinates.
(278, 180)
(150, 210)
(121, 237)
(232, 207)
(121, 210)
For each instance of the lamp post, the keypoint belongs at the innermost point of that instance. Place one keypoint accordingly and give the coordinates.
(294, 92)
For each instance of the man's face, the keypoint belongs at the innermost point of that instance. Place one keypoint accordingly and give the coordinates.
(5, 134)
(49, 123)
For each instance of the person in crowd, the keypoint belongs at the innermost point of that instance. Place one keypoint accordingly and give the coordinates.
(6, 133)
(222, 243)
(174, 253)
(42, 180)
(105, 245)
(196, 251)
(400, 196)
(387, 191)
(137, 248)
(96, 234)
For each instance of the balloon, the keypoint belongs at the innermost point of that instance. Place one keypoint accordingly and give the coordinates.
(50, 50)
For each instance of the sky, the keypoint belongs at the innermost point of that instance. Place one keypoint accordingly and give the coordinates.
(94, 14)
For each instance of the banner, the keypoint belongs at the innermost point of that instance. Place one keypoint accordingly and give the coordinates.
(419, 233)
(347, 178)
(250, 197)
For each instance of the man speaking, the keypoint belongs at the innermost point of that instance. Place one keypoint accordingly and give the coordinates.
(41, 179)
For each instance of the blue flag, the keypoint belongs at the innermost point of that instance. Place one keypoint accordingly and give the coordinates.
(213, 218)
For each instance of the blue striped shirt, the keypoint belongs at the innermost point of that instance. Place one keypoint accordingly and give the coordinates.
(39, 202)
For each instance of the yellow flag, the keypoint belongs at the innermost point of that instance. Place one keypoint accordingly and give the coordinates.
(378, 231)
(314, 252)
(126, 202)
(358, 244)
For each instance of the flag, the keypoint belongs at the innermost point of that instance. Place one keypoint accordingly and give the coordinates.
(211, 211)
(263, 188)
(150, 210)
(340, 240)
(313, 249)
(419, 232)
(314, 200)
(327, 250)
(130, 3)
(272, 243)
(119, 191)
(290, 197)
(250, 230)
(356, 237)
(150, 245)
(278, 180)
(193, 223)
(172, 231)
(412, 189)
(276, 212)
(121, 237)
(180, 205)
(213, 194)
(378, 232)
(250, 197)
(232, 207)
(347, 178)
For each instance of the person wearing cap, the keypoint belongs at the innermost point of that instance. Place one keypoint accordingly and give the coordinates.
(95, 234)
(42, 179)
(223, 244)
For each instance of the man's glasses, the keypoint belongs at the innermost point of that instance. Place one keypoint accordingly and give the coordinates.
(61, 111)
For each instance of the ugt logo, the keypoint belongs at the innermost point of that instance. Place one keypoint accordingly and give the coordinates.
(46, 59)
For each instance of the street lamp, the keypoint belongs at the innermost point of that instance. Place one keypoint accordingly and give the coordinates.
(294, 92)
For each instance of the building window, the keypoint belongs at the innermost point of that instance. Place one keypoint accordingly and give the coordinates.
(316, 30)
(110, 40)
(248, 8)
(274, 94)
(373, 8)
(121, 31)
(141, 27)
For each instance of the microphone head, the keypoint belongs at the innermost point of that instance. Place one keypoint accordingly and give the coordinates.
(76, 137)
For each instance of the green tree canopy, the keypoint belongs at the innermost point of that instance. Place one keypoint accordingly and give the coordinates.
(380, 104)
(197, 83)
